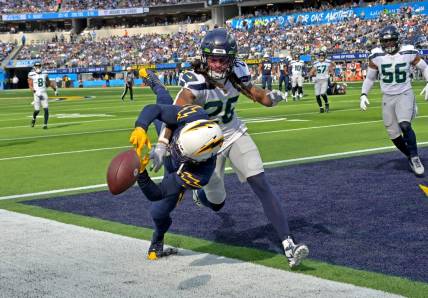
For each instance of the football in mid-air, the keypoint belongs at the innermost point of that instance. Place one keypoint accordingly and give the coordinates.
(123, 171)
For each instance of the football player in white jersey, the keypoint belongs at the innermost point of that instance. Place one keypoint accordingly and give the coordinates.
(38, 82)
(392, 62)
(215, 84)
(321, 71)
(296, 66)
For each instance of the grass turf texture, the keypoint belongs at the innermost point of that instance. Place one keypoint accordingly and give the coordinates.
(304, 133)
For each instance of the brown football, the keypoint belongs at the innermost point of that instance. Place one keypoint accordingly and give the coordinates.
(123, 171)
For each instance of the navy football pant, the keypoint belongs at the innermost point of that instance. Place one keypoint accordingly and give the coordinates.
(267, 80)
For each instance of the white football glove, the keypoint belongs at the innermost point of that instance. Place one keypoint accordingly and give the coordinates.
(156, 155)
(364, 102)
(276, 96)
(425, 90)
(56, 92)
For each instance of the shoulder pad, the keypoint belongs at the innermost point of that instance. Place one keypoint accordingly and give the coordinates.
(192, 80)
(376, 51)
(328, 61)
(31, 73)
(407, 48)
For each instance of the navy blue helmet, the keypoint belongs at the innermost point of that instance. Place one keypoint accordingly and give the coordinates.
(219, 51)
(389, 38)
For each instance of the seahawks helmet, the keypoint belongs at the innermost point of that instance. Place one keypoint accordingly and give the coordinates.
(389, 39)
(37, 67)
(296, 57)
(197, 141)
(219, 51)
(322, 56)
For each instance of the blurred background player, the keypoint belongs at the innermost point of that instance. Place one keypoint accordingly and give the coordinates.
(296, 66)
(191, 161)
(321, 71)
(265, 68)
(392, 62)
(38, 83)
(282, 71)
(129, 77)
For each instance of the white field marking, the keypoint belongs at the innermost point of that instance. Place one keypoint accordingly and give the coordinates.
(297, 120)
(228, 169)
(68, 134)
(253, 120)
(63, 153)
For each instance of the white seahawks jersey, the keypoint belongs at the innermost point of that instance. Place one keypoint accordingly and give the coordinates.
(218, 103)
(296, 68)
(394, 70)
(322, 69)
(39, 81)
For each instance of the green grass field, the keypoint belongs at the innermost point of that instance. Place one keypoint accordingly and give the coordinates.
(84, 134)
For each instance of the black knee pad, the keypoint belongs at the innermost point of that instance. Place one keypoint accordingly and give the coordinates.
(405, 126)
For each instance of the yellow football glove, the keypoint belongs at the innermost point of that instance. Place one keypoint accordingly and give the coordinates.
(143, 73)
(140, 139)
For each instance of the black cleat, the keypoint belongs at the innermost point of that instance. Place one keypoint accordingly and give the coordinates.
(45, 126)
(33, 122)
(156, 251)
(327, 108)
(321, 110)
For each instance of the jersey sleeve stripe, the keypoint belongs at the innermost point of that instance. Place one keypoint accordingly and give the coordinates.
(372, 56)
(409, 52)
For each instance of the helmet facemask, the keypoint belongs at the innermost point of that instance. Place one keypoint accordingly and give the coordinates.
(37, 67)
(219, 66)
(390, 45)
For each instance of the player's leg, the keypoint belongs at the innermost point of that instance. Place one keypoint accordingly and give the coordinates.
(45, 105)
(124, 92)
(269, 82)
(280, 82)
(248, 165)
(323, 91)
(317, 88)
(264, 81)
(213, 195)
(405, 110)
(300, 87)
(131, 92)
(36, 105)
(294, 86)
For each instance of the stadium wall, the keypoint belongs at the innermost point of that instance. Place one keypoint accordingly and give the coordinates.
(33, 37)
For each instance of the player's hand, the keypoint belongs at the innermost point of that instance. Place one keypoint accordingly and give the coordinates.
(56, 92)
(275, 96)
(139, 139)
(156, 155)
(364, 102)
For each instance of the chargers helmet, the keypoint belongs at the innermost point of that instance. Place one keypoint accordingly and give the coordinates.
(37, 67)
(219, 50)
(389, 39)
(198, 141)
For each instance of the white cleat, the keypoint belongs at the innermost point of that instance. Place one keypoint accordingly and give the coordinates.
(195, 198)
(416, 165)
(295, 253)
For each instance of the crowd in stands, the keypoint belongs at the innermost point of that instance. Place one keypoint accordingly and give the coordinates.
(31, 6)
(5, 49)
(355, 35)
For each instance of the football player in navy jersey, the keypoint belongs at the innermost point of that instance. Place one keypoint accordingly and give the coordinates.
(193, 150)
(282, 70)
(215, 84)
(265, 68)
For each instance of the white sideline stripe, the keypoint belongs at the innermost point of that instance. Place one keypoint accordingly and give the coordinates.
(62, 153)
(227, 169)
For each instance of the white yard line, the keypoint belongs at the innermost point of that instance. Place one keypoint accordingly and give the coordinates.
(277, 162)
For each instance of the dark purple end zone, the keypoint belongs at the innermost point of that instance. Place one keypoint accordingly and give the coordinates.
(363, 212)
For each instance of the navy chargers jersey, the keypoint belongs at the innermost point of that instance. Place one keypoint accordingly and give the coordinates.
(266, 68)
(180, 176)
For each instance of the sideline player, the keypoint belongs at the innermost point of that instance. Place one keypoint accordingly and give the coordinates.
(265, 68)
(297, 66)
(282, 70)
(322, 70)
(215, 84)
(193, 149)
(392, 62)
(129, 83)
(38, 82)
